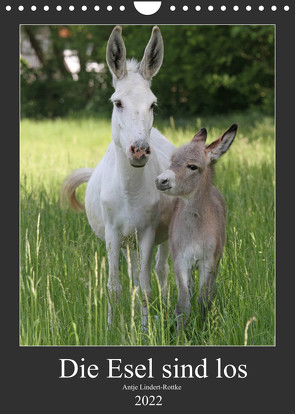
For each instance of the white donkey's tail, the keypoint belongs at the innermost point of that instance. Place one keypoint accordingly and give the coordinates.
(68, 191)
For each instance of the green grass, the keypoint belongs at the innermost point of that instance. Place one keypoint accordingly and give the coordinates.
(63, 276)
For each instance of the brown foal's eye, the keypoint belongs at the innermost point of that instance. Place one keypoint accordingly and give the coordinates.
(192, 167)
(118, 104)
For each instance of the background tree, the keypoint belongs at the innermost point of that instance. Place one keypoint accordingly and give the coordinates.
(206, 69)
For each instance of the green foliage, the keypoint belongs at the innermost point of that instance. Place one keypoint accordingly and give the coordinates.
(206, 70)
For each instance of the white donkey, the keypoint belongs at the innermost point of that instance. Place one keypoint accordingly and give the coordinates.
(122, 203)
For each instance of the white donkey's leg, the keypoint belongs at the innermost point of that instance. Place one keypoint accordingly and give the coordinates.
(113, 245)
(162, 267)
(134, 263)
(146, 251)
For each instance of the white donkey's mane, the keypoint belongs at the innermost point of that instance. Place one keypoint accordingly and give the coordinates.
(132, 68)
(132, 65)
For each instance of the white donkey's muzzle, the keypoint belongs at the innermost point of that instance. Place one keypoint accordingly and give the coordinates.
(139, 153)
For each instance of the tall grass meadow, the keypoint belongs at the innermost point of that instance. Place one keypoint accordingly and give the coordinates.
(63, 272)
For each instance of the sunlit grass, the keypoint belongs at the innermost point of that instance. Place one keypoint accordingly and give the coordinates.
(63, 294)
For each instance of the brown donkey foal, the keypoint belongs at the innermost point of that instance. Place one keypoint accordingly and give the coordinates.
(197, 227)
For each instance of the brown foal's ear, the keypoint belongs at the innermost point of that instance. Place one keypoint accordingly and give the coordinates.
(201, 136)
(222, 144)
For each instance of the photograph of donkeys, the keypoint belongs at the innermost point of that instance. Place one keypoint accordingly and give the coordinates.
(121, 128)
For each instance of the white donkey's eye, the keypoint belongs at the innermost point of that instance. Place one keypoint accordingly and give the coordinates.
(118, 104)
(153, 105)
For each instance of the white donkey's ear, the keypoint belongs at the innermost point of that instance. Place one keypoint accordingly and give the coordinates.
(153, 55)
(116, 54)
(222, 144)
